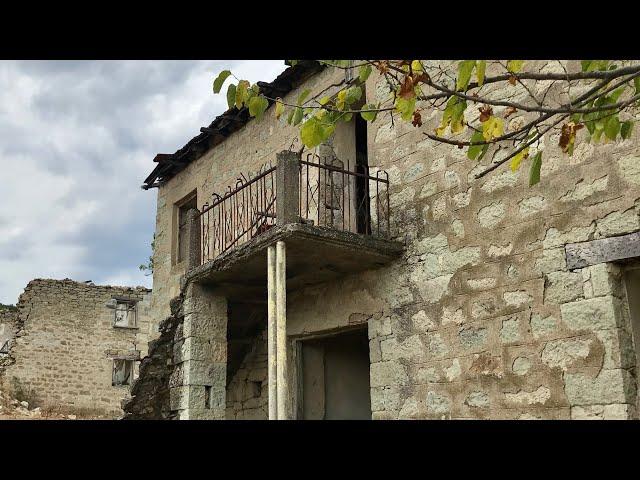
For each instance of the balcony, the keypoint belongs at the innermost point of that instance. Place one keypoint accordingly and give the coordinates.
(333, 217)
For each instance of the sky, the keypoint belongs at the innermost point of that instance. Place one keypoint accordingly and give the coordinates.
(77, 139)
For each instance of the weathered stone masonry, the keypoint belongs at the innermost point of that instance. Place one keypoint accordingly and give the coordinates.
(481, 317)
(66, 342)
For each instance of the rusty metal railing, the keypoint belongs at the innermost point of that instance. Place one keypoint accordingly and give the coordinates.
(337, 195)
(332, 194)
(239, 215)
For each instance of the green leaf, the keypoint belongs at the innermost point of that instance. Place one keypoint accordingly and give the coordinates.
(534, 172)
(303, 96)
(324, 100)
(476, 152)
(612, 127)
(297, 115)
(636, 84)
(615, 95)
(514, 66)
(369, 116)
(363, 72)
(257, 106)
(241, 93)
(626, 129)
(585, 65)
(217, 83)
(465, 68)
(406, 107)
(481, 66)
(231, 95)
(457, 117)
(314, 131)
(353, 95)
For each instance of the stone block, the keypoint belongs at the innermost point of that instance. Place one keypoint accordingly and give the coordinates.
(608, 387)
(600, 313)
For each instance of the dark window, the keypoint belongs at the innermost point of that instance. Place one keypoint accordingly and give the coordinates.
(182, 226)
(362, 184)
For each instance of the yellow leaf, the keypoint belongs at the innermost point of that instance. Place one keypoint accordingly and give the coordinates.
(515, 161)
(342, 95)
(492, 128)
(457, 126)
(514, 66)
(481, 66)
(279, 107)
(416, 66)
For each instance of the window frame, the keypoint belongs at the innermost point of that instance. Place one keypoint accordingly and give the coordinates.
(132, 307)
(131, 377)
(179, 207)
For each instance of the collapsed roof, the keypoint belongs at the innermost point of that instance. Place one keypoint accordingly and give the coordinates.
(169, 164)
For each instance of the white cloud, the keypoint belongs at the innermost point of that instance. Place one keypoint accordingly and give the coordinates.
(76, 141)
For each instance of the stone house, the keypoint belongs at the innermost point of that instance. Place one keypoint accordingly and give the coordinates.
(376, 277)
(75, 347)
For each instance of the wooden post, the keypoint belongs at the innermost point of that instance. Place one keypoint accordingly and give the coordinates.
(271, 332)
(281, 335)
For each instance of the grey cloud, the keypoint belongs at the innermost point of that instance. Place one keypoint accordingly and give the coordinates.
(76, 140)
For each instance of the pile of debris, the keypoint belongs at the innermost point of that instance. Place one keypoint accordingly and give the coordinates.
(12, 409)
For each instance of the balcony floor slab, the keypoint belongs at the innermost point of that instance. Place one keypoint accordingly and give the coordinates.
(315, 255)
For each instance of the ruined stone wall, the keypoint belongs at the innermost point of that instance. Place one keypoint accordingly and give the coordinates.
(8, 328)
(244, 152)
(481, 317)
(64, 349)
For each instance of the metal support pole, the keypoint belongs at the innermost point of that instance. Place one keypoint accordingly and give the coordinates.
(271, 332)
(281, 335)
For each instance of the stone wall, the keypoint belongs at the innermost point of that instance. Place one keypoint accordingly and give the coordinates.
(66, 343)
(8, 328)
(248, 391)
(244, 152)
(481, 317)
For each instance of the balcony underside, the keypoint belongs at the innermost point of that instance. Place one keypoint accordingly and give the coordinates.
(314, 255)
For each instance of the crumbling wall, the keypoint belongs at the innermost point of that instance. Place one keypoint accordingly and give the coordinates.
(64, 348)
(150, 393)
(248, 390)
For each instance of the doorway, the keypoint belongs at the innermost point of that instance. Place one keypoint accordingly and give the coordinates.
(334, 377)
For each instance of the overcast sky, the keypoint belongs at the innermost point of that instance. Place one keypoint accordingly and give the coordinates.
(77, 139)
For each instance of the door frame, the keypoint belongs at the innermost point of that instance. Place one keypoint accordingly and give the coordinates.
(296, 361)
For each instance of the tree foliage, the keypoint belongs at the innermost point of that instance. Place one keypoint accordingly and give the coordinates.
(148, 267)
(482, 105)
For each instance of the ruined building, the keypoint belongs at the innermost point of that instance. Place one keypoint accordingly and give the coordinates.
(376, 277)
(74, 347)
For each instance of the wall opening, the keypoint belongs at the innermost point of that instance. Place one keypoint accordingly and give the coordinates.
(122, 373)
(334, 377)
(182, 207)
(632, 284)
(362, 184)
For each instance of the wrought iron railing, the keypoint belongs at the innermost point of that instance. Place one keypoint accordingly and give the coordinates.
(239, 215)
(332, 194)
